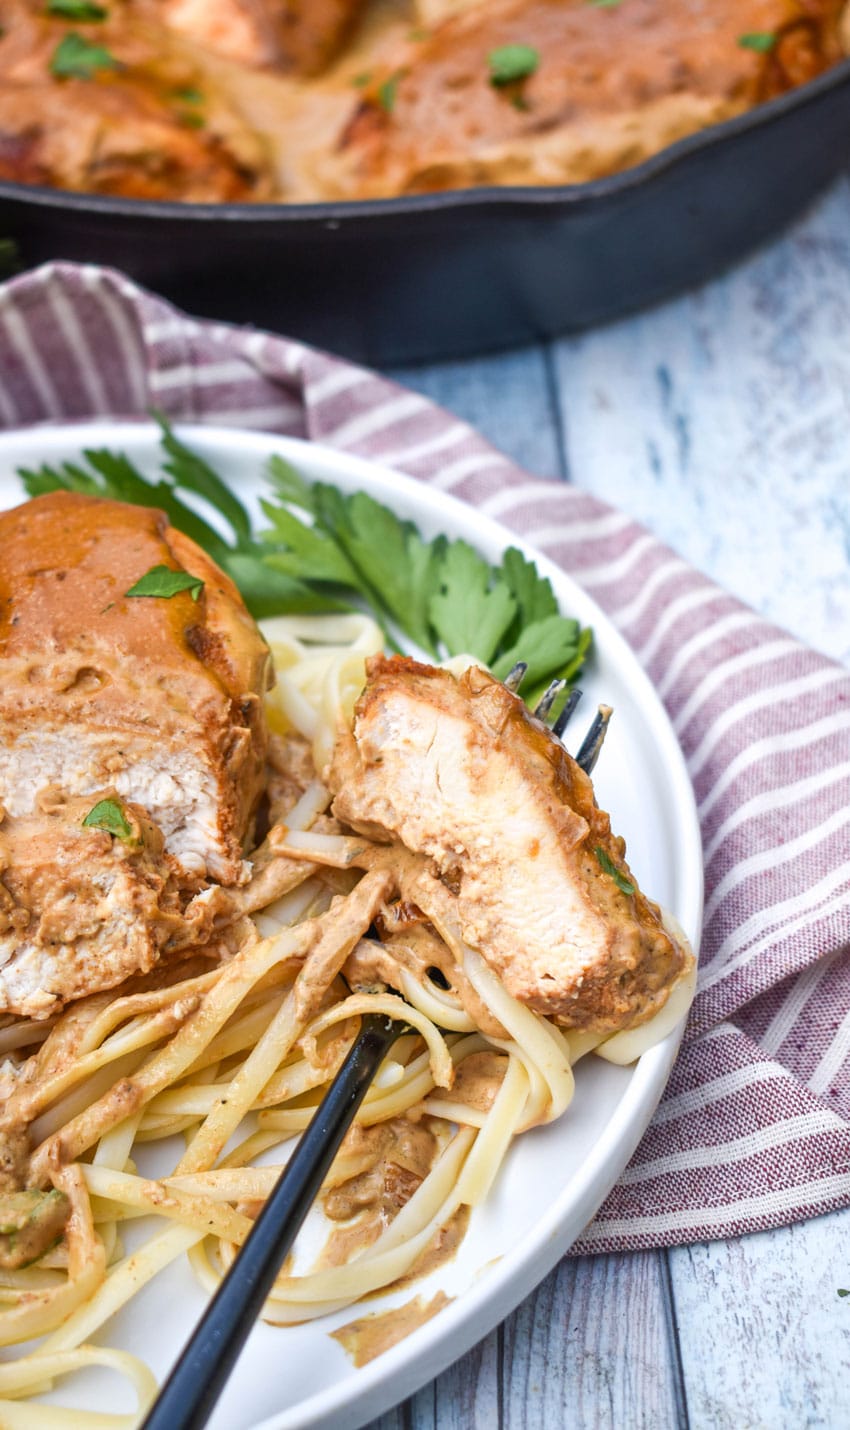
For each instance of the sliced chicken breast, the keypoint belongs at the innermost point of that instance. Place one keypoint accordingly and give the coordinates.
(80, 909)
(156, 700)
(458, 771)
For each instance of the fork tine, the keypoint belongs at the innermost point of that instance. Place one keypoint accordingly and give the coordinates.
(548, 698)
(513, 679)
(593, 740)
(566, 714)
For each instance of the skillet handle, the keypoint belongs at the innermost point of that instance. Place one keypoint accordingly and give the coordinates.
(190, 1393)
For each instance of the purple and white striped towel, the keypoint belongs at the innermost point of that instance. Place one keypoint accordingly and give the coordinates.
(754, 1130)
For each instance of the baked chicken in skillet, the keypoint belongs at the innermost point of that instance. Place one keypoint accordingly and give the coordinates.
(313, 100)
(119, 107)
(588, 90)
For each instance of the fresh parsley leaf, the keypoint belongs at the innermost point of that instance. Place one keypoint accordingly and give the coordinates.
(189, 95)
(162, 581)
(510, 63)
(534, 595)
(605, 4)
(267, 592)
(290, 485)
(395, 566)
(109, 814)
(470, 611)
(193, 474)
(844, 1291)
(360, 81)
(546, 645)
(387, 93)
(306, 548)
(609, 867)
(762, 41)
(85, 11)
(75, 58)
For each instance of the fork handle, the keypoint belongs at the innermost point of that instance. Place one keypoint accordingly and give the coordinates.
(190, 1393)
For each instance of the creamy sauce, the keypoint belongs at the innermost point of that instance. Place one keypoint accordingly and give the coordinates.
(395, 1157)
(442, 1248)
(372, 1335)
(478, 1079)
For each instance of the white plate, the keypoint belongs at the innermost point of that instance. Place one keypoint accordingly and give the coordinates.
(555, 1177)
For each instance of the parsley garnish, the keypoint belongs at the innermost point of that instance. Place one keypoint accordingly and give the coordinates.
(844, 1291)
(189, 95)
(387, 93)
(511, 63)
(75, 58)
(86, 11)
(109, 815)
(605, 4)
(608, 866)
(361, 80)
(326, 551)
(162, 581)
(762, 41)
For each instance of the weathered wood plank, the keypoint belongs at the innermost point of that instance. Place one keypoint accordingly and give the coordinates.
(465, 1397)
(765, 1336)
(590, 1349)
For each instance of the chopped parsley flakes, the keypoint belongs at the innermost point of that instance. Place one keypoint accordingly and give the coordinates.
(75, 58)
(608, 866)
(511, 63)
(109, 816)
(762, 41)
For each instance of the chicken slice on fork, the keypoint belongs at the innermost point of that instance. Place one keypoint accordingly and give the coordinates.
(459, 771)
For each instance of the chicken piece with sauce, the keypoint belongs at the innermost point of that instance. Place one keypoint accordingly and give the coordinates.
(119, 107)
(300, 36)
(459, 772)
(590, 89)
(148, 706)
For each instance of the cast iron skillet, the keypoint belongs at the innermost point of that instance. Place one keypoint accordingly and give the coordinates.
(438, 275)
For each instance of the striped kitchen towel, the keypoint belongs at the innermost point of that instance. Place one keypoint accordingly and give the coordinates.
(754, 1130)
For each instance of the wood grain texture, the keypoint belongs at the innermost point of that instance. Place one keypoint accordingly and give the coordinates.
(764, 1335)
(721, 420)
(590, 1348)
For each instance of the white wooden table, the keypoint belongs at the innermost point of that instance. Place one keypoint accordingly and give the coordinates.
(721, 420)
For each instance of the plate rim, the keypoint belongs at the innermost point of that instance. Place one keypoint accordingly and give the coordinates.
(432, 1347)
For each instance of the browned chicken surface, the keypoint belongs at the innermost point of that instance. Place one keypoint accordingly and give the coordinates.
(149, 705)
(118, 107)
(301, 100)
(608, 86)
(459, 772)
(297, 35)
